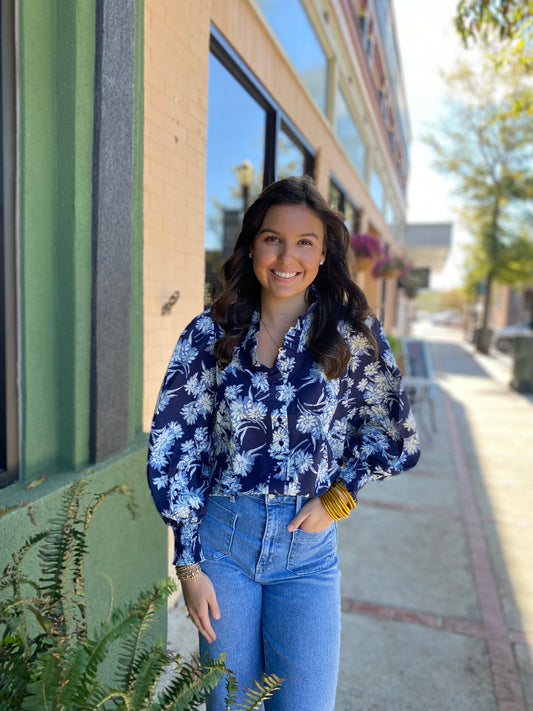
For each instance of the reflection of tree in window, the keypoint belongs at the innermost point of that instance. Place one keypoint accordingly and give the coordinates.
(235, 133)
(335, 197)
(290, 159)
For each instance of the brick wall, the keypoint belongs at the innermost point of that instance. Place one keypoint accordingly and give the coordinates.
(176, 84)
(176, 73)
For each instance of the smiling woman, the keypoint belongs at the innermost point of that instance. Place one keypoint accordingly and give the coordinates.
(288, 401)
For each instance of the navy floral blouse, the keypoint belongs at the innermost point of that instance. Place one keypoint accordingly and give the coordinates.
(281, 430)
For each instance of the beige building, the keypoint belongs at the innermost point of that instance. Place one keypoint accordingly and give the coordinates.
(239, 93)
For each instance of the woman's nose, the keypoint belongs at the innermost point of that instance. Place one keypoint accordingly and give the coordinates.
(285, 252)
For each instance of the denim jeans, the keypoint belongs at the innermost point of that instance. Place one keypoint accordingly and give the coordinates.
(279, 600)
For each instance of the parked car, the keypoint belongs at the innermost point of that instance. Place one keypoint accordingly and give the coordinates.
(502, 339)
(450, 317)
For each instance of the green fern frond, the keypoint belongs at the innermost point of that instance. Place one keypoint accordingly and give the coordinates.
(191, 685)
(146, 609)
(47, 680)
(56, 552)
(74, 693)
(253, 698)
(115, 695)
(148, 669)
(14, 673)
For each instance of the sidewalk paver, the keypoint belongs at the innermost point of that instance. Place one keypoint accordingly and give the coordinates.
(437, 575)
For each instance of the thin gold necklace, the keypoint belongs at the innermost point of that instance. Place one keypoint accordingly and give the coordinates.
(271, 336)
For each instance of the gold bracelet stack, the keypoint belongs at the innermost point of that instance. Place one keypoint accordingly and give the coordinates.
(188, 572)
(338, 501)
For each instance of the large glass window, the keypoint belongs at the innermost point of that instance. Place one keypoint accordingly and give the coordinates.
(250, 143)
(293, 28)
(348, 134)
(291, 157)
(339, 200)
(235, 156)
(376, 189)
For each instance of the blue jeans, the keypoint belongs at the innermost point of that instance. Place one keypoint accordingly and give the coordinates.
(279, 600)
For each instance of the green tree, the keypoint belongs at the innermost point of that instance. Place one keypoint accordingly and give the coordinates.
(488, 148)
(485, 19)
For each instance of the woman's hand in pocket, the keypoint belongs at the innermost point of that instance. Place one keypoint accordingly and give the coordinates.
(312, 517)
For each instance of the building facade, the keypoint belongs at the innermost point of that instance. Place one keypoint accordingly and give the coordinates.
(240, 93)
(71, 286)
(133, 135)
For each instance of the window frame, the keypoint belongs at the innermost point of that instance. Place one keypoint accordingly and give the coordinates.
(345, 198)
(276, 118)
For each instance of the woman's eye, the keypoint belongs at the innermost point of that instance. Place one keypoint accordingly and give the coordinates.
(271, 238)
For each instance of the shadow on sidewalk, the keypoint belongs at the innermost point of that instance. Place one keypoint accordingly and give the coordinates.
(422, 567)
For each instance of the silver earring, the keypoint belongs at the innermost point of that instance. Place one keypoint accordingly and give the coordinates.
(250, 255)
(322, 262)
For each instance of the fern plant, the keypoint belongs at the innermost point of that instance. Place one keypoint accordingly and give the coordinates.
(50, 662)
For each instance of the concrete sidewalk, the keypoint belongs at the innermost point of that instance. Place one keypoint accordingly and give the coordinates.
(437, 564)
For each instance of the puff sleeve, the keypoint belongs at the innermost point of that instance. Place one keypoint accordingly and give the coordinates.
(381, 436)
(181, 437)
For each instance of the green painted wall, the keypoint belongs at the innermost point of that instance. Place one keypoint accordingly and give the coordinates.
(125, 555)
(56, 89)
(56, 54)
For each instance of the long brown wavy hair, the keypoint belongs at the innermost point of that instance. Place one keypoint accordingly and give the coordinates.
(339, 296)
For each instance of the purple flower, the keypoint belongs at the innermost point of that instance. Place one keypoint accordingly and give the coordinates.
(366, 246)
(388, 265)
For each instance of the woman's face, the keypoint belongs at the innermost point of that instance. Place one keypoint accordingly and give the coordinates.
(287, 252)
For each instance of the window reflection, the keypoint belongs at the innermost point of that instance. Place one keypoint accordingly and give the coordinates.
(376, 189)
(295, 32)
(339, 201)
(235, 136)
(290, 157)
(335, 197)
(348, 134)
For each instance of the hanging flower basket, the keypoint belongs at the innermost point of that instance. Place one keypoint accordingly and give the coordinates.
(367, 248)
(390, 267)
(364, 264)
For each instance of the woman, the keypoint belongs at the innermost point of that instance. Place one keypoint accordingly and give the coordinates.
(277, 407)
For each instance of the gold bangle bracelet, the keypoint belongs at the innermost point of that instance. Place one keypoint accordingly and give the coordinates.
(338, 501)
(344, 494)
(188, 572)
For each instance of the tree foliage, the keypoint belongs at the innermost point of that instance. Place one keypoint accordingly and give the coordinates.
(485, 19)
(487, 147)
(506, 23)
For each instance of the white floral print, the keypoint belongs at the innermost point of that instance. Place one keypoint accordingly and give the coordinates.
(281, 430)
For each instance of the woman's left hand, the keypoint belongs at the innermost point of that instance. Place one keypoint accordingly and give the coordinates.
(312, 517)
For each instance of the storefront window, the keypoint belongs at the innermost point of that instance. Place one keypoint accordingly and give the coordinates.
(341, 202)
(351, 217)
(290, 157)
(294, 30)
(376, 189)
(235, 158)
(348, 134)
(335, 197)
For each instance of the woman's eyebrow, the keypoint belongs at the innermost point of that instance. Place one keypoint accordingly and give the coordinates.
(304, 234)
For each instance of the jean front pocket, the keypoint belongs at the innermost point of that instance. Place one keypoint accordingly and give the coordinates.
(216, 530)
(312, 552)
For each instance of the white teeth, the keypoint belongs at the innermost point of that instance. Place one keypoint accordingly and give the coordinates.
(285, 275)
